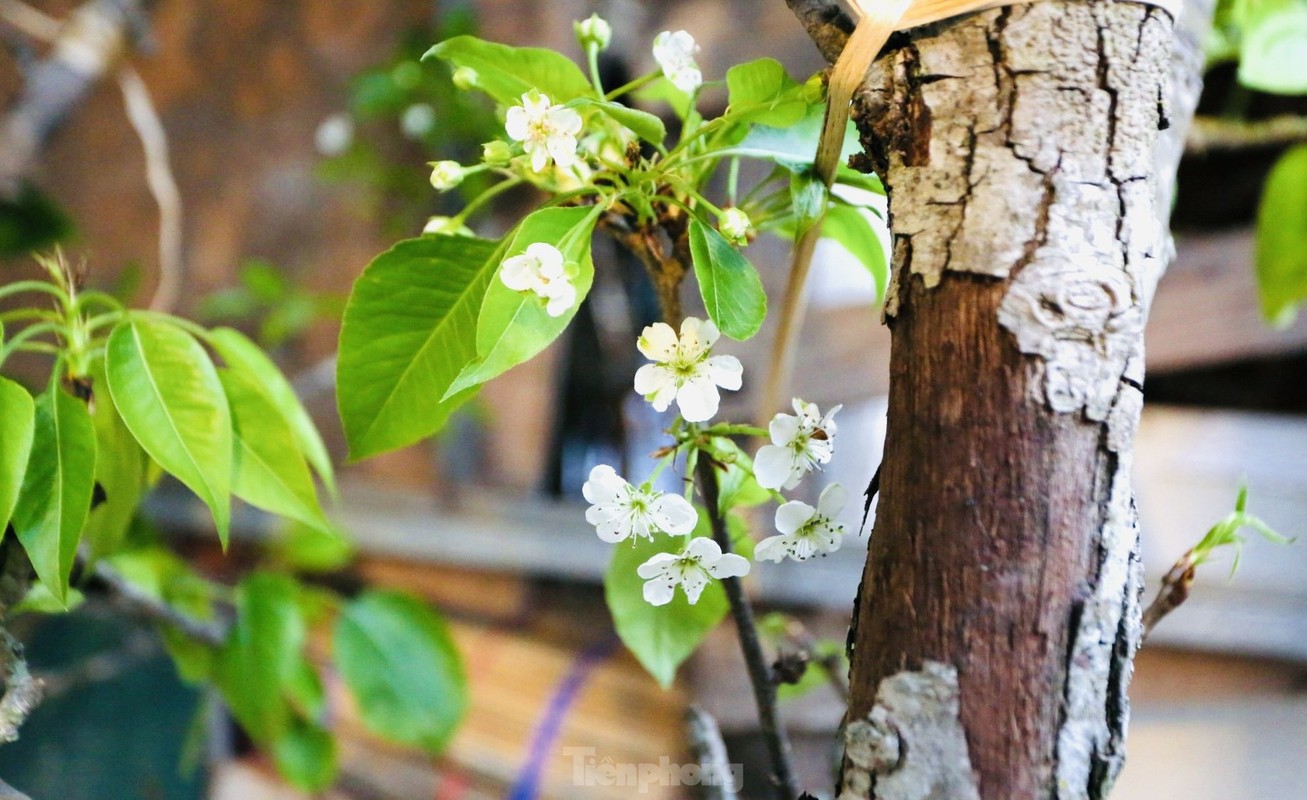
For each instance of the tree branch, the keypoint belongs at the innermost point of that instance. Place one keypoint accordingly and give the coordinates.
(146, 606)
(1212, 134)
(23, 692)
(707, 745)
(1174, 591)
(764, 689)
(826, 23)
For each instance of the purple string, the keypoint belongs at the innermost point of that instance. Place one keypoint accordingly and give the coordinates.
(527, 785)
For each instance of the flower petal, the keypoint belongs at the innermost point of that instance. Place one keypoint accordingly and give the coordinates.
(726, 372)
(674, 514)
(659, 591)
(772, 466)
(561, 300)
(832, 500)
(657, 342)
(698, 399)
(518, 273)
(604, 485)
(784, 429)
(730, 565)
(703, 548)
(614, 530)
(693, 582)
(658, 565)
(515, 123)
(793, 515)
(773, 548)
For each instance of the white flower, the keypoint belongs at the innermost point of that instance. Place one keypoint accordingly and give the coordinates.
(702, 561)
(593, 30)
(799, 443)
(545, 131)
(445, 175)
(734, 225)
(334, 135)
(685, 368)
(447, 225)
(620, 511)
(540, 270)
(806, 531)
(674, 53)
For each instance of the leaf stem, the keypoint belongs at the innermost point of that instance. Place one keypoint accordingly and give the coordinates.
(764, 689)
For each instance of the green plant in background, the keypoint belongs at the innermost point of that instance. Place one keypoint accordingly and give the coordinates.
(394, 103)
(265, 298)
(1268, 40)
(134, 395)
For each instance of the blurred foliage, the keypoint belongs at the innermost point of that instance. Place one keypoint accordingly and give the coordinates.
(407, 100)
(30, 221)
(266, 300)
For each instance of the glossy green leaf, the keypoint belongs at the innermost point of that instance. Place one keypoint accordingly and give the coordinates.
(1273, 51)
(262, 654)
(661, 637)
(268, 470)
(246, 357)
(168, 393)
(304, 548)
(643, 124)
(850, 227)
(120, 469)
(1282, 239)
(409, 329)
(398, 660)
(762, 91)
(731, 289)
(57, 487)
(305, 755)
(506, 73)
(17, 422)
(514, 326)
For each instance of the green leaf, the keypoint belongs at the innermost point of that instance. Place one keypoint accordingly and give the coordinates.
(793, 147)
(268, 470)
(643, 124)
(731, 289)
(17, 420)
(56, 493)
(762, 91)
(120, 470)
(304, 548)
(160, 574)
(808, 198)
(305, 690)
(169, 395)
(850, 227)
(661, 637)
(514, 326)
(262, 654)
(398, 660)
(409, 329)
(506, 73)
(244, 356)
(1273, 51)
(1282, 239)
(39, 600)
(305, 755)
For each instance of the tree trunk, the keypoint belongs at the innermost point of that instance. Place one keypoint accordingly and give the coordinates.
(999, 612)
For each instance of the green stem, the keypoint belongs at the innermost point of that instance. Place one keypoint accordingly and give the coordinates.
(34, 286)
(20, 340)
(632, 85)
(592, 57)
(485, 197)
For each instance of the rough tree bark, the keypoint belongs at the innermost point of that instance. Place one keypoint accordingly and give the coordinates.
(999, 613)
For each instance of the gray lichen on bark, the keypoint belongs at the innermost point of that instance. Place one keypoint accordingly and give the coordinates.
(911, 746)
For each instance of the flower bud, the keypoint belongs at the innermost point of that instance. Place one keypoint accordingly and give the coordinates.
(496, 153)
(734, 225)
(446, 225)
(593, 31)
(465, 78)
(445, 175)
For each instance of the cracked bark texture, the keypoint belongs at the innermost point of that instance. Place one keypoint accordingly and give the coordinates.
(1018, 147)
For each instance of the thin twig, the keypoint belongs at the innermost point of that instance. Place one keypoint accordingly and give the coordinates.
(147, 606)
(29, 21)
(1175, 590)
(1213, 134)
(764, 689)
(707, 745)
(158, 175)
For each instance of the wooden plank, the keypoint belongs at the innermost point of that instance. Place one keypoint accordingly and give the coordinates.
(1206, 308)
